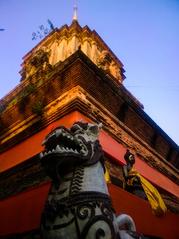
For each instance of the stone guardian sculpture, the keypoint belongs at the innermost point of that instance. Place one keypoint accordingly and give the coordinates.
(78, 204)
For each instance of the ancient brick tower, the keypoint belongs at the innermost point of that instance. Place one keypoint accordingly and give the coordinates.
(72, 75)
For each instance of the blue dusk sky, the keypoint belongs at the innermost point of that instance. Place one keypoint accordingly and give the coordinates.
(144, 35)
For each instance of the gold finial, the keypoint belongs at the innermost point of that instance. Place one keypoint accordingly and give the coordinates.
(75, 8)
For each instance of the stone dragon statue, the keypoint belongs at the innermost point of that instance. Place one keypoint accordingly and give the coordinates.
(78, 204)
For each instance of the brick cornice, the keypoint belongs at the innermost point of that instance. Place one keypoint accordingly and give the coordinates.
(78, 99)
(60, 89)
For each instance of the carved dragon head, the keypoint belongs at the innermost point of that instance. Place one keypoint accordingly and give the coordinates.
(68, 148)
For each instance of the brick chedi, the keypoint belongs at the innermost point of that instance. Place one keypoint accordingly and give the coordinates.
(73, 75)
(66, 41)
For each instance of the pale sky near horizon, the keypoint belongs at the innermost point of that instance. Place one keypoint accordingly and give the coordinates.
(144, 35)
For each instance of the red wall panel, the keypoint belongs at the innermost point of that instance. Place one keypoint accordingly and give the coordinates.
(22, 212)
(32, 146)
(166, 227)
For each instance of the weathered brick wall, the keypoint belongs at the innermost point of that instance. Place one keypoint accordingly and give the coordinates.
(162, 146)
(79, 70)
(139, 126)
(113, 98)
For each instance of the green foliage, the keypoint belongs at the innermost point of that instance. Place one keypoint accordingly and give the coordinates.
(12, 102)
(27, 90)
(24, 96)
(37, 108)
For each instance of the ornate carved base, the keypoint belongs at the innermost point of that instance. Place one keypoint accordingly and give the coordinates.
(86, 215)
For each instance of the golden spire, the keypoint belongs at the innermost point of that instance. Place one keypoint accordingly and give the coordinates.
(75, 8)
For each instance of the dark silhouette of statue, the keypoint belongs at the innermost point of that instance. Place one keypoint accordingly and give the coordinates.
(132, 182)
(138, 185)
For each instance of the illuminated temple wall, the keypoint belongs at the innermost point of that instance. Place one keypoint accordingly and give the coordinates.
(72, 75)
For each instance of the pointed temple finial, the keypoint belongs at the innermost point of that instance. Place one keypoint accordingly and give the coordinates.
(75, 8)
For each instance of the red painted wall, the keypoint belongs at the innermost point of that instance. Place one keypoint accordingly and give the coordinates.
(22, 212)
(32, 146)
(166, 227)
